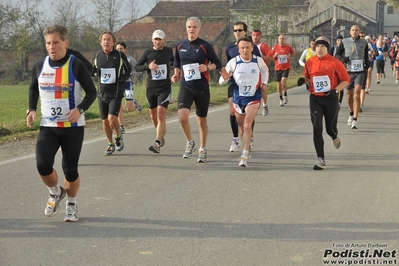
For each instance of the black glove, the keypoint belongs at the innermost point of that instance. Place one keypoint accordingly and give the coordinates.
(331, 94)
(300, 82)
(346, 60)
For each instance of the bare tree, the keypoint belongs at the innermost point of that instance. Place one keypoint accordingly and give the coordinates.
(108, 14)
(35, 20)
(133, 9)
(275, 17)
(27, 35)
(394, 3)
(68, 13)
(9, 17)
(151, 3)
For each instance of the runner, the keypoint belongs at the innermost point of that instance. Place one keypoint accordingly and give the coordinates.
(250, 73)
(307, 53)
(333, 52)
(60, 80)
(194, 57)
(282, 53)
(264, 50)
(157, 61)
(326, 76)
(111, 75)
(372, 52)
(396, 54)
(128, 88)
(382, 52)
(240, 29)
(354, 51)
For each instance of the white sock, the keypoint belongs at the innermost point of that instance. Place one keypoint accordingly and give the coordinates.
(71, 200)
(55, 190)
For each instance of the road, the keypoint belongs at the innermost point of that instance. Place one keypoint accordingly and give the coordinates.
(140, 208)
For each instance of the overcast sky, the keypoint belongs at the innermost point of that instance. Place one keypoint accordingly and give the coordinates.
(145, 7)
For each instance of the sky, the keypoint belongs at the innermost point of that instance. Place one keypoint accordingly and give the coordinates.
(145, 7)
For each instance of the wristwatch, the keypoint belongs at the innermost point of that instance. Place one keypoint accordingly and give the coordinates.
(81, 111)
(207, 67)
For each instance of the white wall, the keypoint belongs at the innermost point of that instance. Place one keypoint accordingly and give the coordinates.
(391, 22)
(368, 9)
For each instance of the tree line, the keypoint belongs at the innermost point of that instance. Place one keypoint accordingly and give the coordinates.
(23, 21)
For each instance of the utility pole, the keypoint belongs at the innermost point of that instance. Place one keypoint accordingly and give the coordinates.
(380, 16)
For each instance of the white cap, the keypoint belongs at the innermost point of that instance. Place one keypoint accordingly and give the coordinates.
(159, 34)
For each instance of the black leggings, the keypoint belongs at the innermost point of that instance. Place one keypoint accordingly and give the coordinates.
(50, 139)
(327, 107)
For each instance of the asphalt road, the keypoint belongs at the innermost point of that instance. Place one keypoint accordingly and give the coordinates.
(140, 208)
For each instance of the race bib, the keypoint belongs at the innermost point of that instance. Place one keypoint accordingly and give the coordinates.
(129, 94)
(55, 109)
(191, 72)
(160, 73)
(108, 76)
(356, 65)
(321, 84)
(247, 88)
(282, 59)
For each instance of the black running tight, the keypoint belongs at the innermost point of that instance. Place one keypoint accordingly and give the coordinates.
(326, 107)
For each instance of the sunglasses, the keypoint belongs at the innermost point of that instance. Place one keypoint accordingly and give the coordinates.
(239, 30)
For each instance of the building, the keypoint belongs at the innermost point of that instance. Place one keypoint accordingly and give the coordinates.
(170, 16)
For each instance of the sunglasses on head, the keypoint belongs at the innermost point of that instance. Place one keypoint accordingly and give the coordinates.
(239, 30)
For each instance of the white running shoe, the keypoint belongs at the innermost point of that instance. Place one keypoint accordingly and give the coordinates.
(244, 160)
(110, 150)
(265, 110)
(155, 148)
(71, 213)
(285, 100)
(235, 144)
(336, 143)
(350, 119)
(320, 165)
(137, 105)
(190, 147)
(119, 143)
(202, 156)
(354, 124)
(53, 203)
(281, 103)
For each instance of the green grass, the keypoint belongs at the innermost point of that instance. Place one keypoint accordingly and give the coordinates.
(14, 103)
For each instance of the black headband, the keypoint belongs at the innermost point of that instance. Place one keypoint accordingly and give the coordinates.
(323, 42)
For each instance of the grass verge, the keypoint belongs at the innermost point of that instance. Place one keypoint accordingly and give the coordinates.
(14, 102)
